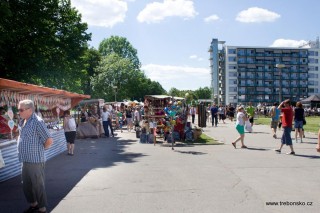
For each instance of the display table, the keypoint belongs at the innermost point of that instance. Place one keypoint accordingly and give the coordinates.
(88, 130)
(10, 154)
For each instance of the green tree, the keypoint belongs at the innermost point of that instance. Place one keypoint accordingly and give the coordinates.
(174, 92)
(90, 60)
(203, 93)
(42, 42)
(113, 70)
(120, 46)
(130, 81)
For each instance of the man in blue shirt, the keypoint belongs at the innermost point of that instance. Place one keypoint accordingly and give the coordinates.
(34, 138)
(214, 114)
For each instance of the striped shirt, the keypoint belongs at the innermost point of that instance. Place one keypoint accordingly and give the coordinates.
(33, 136)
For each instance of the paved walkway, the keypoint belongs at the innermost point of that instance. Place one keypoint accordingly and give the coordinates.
(121, 175)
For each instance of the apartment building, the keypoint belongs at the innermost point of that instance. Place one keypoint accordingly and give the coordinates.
(263, 74)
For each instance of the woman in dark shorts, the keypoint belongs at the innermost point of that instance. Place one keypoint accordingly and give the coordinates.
(70, 129)
(298, 121)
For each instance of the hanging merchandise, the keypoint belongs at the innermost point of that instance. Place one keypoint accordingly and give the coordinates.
(2, 163)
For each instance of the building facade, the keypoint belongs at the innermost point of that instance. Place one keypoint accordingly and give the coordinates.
(263, 74)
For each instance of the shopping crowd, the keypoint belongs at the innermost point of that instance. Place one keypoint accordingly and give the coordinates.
(282, 115)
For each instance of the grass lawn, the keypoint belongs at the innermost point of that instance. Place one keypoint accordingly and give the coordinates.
(205, 140)
(313, 123)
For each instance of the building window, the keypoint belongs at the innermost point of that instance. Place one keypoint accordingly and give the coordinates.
(232, 81)
(232, 58)
(233, 89)
(313, 60)
(312, 68)
(231, 51)
(312, 75)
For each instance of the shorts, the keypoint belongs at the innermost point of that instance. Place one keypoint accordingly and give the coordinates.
(298, 124)
(286, 136)
(129, 120)
(274, 124)
(70, 136)
(251, 119)
(240, 129)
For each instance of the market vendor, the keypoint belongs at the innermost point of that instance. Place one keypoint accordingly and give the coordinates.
(84, 115)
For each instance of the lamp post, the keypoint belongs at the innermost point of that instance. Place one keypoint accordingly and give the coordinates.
(280, 66)
(115, 93)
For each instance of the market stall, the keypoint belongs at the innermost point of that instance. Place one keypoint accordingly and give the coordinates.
(164, 116)
(49, 103)
(88, 118)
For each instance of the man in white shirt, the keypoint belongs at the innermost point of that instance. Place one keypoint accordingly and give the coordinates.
(193, 113)
(105, 116)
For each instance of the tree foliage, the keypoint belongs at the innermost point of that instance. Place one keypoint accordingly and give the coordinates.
(120, 68)
(191, 95)
(203, 93)
(120, 46)
(42, 42)
(90, 62)
(113, 71)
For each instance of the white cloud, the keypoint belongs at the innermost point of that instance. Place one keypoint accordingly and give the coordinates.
(196, 57)
(180, 77)
(102, 13)
(257, 15)
(156, 11)
(211, 18)
(289, 43)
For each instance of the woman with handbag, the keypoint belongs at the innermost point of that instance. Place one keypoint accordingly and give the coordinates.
(241, 119)
(298, 121)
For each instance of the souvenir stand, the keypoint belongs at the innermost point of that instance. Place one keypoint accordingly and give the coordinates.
(166, 117)
(154, 115)
(49, 104)
(92, 126)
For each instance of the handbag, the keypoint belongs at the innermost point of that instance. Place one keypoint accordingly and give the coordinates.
(248, 126)
(304, 121)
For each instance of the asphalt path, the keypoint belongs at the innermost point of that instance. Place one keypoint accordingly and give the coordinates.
(122, 175)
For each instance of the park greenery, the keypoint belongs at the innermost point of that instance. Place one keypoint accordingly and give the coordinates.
(45, 42)
(313, 123)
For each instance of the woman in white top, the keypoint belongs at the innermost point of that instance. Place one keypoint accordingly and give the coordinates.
(241, 118)
(70, 131)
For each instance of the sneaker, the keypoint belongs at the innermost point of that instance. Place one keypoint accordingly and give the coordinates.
(274, 136)
(291, 153)
(277, 151)
(32, 209)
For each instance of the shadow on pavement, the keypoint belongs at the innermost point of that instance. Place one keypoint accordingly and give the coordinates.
(308, 156)
(63, 172)
(257, 149)
(257, 133)
(191, 152)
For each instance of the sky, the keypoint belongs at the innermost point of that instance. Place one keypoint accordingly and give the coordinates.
(172, 37)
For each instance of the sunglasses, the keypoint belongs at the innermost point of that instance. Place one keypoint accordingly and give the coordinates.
(22, 110)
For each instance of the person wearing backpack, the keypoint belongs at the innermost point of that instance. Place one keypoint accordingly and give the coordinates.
(70, 131)
(275, 116)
